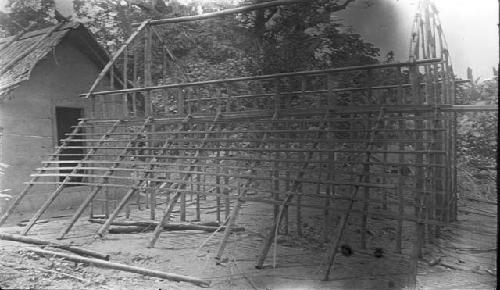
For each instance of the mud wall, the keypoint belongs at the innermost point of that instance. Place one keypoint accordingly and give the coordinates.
(28, 118)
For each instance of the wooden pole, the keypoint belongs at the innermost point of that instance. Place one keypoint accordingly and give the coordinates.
(26, 189)
(227, 205)
(179, 187)
(76, 250)
(411, 64)
(198, 188)
(338, 238)
(97, 189)
(217, 182)
(148, 62)
(123, 267)
(125, 83)
(401, 146)
(135, 76)
(67, 179)
(111, 62)
(152, 163)
(285, 220)
(232, 220)
(297, 186)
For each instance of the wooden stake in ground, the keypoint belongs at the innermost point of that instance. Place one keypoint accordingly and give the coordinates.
(123, 267)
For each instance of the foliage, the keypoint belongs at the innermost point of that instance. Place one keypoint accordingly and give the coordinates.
(477, 132)
(477, 141)
(304, 36)
(24, 12)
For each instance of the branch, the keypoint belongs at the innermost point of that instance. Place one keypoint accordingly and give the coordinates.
(341, 7)
(241, 9)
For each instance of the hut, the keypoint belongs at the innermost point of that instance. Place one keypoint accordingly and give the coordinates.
(42, 74)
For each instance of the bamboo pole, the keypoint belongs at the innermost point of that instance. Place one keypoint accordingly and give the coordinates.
(59, 189)
(148, 62)
(198, 188)
(141, 226)
(239, 201)
(26, 189)
(231, 222)
(226, 191)
(125, 82)
(400, 179)
(111, 62)
(135, 76)
(152, 163)
(411, 64)
(217, 182)
(76, 250)
(343, 223)
(123, 267)
(98, 188)
(178, 188)
(295, 188)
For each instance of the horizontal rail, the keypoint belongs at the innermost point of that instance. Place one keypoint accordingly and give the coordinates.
(160, 122)
(210, 166)
(273, 140)
(225, 149)
(303, 92)
(263, 131)
(260, 118)
(229, 158)
(270, 76)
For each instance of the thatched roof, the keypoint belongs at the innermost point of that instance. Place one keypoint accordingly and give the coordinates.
(19, 56)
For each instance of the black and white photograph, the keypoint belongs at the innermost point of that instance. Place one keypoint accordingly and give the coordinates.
(249, 144)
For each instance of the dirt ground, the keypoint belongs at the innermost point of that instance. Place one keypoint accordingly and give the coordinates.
(299, 260)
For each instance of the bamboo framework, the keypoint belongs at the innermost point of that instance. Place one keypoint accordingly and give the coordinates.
(362, 143)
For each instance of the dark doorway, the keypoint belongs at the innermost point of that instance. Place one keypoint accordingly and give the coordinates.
(66, 119)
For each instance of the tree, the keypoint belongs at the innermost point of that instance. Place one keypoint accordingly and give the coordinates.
(304, 36)
(477, 131)
(24, 12)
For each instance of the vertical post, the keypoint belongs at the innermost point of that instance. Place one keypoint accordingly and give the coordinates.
(366, 166)
(135, 76)
(275, 183)
(106, 202)
(330, 188)
(366, 200)
(198, 191)
(227, 205)
(232, 221)
(182, 202)
(401, 156)
(180, 101)
(299, 203)
(92, 131)
(218, 162)
(125, 82)
(419, 161)
(217, 183)
(148, 109)
(284, 222)
(164, 67)
(277, 97)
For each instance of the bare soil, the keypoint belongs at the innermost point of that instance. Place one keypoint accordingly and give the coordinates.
(299, 261)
